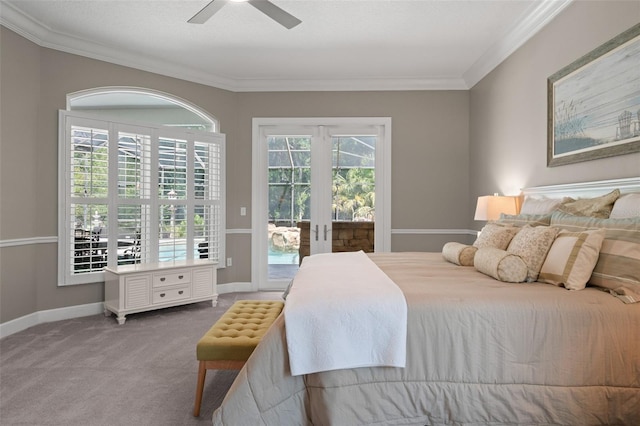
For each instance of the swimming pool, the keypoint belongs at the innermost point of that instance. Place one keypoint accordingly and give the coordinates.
(170, 252)
(282, 258)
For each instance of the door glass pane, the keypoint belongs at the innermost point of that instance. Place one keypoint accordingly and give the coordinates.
(353, 193)
(289, 202)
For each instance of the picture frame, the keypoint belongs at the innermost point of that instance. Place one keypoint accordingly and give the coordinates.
(593, 108)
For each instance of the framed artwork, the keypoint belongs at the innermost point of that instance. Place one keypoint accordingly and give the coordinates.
(594, 103)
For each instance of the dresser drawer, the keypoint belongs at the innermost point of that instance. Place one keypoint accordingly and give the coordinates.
(129, 289)
(171, 278)
(171, 294)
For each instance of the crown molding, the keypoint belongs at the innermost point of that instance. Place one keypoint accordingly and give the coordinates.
(37, 32)
(535, 18)
(361, 84)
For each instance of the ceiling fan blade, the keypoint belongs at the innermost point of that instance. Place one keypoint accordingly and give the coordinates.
(274, 12)
(207, 12)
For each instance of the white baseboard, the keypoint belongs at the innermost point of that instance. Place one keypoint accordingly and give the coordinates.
(10, 327)
(234, 287)
(14, 326)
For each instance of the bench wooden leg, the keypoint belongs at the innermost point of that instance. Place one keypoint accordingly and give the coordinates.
(202, 373)
(224, 364)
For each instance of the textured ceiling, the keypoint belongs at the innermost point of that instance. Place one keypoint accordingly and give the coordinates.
(340, 45)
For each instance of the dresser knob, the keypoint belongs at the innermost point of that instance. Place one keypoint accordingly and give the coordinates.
(161, 294)
(180, 277)
(181, 291)
(162, 279)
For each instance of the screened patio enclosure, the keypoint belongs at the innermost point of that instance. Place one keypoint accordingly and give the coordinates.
(290, 188)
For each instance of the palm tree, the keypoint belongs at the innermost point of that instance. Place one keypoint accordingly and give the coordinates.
(354, 193)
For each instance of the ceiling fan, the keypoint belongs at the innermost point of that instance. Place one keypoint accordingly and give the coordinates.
(265, 6)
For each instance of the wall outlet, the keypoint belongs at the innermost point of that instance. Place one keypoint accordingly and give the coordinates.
(243, 211)
(229, 261)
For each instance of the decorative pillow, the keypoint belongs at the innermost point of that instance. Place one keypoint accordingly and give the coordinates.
(532, 245)
(617, 267)
(628, 205)
(500, 264)
(458, 253)
(521, 220)
(571, 258)
(541, 205)
(594, 207)
(494, 235)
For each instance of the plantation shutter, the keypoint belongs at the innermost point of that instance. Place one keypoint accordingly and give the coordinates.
(132, 194)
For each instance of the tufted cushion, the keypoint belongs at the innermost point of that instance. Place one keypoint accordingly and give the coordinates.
(237, 333)
(458, 253)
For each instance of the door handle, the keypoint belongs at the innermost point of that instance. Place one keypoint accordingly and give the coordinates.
(316, 231)
(325, 232)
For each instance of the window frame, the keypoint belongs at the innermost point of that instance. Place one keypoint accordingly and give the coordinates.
(67, 275)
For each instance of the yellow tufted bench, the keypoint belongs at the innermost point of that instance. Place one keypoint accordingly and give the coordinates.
(229, 343)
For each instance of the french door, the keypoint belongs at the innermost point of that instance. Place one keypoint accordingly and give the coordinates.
(313, 178)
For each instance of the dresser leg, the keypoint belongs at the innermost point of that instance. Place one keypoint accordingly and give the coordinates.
(121, 319)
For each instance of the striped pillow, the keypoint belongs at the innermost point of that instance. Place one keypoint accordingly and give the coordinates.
(571, 258)
(521, 220)
(618, 266)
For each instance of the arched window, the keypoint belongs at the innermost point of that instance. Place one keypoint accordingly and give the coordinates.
(142, 105)
(141, 180)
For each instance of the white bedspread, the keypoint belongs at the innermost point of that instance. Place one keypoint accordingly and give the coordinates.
(341, 312)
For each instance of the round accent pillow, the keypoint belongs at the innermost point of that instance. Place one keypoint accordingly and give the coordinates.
(458, 253)
(500, 264)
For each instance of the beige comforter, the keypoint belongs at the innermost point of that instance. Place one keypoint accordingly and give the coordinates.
(479, 351)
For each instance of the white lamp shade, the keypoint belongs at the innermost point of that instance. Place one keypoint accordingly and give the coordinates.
(489, 207)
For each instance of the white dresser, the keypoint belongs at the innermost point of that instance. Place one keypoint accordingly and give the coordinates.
(138, 288)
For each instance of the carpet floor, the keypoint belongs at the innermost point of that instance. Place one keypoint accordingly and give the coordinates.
(91, 371)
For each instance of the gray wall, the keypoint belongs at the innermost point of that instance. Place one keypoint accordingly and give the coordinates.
(34, 83)
(508, 138)
(430, 146)
(448, 146)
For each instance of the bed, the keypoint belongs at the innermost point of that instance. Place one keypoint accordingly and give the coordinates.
(478, 351)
